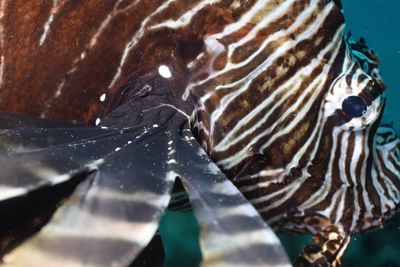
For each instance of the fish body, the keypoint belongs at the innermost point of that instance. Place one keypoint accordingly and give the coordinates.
(276, 94)
(289, 109)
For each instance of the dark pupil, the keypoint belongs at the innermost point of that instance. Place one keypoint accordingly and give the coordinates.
(354, 106)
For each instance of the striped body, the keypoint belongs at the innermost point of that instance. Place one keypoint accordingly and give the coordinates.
(269, 112)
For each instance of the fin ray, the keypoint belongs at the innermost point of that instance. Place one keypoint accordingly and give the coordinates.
(111, 214)
(232, 231)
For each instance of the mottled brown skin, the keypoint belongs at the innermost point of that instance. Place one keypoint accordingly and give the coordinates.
(32, 72)
(32, 79)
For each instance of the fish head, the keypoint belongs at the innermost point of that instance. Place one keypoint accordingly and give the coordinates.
(289, 110)
(358, 156)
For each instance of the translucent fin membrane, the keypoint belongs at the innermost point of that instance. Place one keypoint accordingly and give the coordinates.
(125, 178)
(232, 231)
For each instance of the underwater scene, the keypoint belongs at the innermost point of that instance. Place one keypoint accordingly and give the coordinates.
(378, 22)
(212, 133)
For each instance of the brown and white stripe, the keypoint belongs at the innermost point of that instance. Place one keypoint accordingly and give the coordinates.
(269, 112)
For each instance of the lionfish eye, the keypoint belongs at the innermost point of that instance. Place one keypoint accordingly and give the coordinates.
(354, 106)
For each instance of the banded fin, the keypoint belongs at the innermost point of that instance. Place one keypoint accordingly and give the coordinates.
(232, 231)
(31, 167)
(13, 121)
(179, 198)
(112, 215)
(23, 134)
(128, 175)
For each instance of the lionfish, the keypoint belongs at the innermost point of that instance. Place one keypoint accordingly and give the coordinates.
(130, 95)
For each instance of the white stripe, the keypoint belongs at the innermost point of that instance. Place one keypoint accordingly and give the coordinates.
(230, 66)
(289, 191)
(186, 18)
(90, 45)
(386, 203)
(239, 156)
(247, 80)
(340, 209)
(321, 194)
(7, 192)
(135, 39)
(46, 27)
(3, 6)
(391, 188)
(245, 19)
(327, 212)
(358, 148)
(365, 193)
(306, 71)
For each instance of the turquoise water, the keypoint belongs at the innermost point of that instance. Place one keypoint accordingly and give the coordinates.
(379, 22)
(179, 232)
(379, 248)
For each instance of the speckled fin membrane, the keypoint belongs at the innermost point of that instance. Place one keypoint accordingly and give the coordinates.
(112, 215)
(128, 176)
(232, 231)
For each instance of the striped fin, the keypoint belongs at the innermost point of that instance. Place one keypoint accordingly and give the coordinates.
(180, 201)
(112, 215)
(114, 212)
(23, 133)
(28, 168)
(232, 231)
(386, 169)
(179, 198)
(14, 141)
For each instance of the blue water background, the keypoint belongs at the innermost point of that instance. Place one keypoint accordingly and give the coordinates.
(379, 22)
